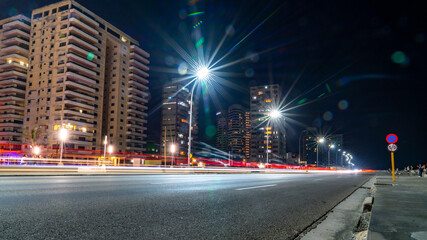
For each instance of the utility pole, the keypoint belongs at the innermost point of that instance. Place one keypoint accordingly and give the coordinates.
(165, 147)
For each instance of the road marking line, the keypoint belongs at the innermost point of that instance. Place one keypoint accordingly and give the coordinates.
(263, 186)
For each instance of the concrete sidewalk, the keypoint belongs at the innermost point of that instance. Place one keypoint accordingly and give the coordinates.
(400, 209)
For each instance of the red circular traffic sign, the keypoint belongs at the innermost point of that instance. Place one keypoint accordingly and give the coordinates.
(391, 138)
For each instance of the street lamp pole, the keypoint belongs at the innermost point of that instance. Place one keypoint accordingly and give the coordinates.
(105, 149)
(329, 154)
(62, 135)
(190, 124)
(317, 150)
(267, 143)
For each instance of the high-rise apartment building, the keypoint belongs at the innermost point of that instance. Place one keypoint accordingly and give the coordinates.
(221, 131)
(236, 129)
(87, 76)
(263, 100)
(175, 119)
(247, 135)
(14, 44)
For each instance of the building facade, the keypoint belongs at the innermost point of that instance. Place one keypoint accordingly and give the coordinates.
(86, 76)
(221, 131)
(236, 131)
(175, 119)
(263, 100)
(14, 45)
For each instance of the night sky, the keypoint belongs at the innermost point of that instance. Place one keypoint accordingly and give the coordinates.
(360, 65)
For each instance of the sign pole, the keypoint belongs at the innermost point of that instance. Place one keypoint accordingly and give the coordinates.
(392, 166)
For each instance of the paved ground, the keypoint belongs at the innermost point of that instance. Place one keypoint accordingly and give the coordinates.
(400, 209)
(205, 206)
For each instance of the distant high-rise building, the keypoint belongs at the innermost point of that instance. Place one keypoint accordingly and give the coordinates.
(14, 45)
(86, 76)
(264, 99)
(247, 135)
(236, 131)
(175, 118)
(221, 131)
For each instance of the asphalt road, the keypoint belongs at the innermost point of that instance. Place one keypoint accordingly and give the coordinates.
(204, 206)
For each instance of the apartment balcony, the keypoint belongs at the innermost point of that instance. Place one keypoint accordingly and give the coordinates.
(83, 25)
(137, 49)
(15, 40)
(14, 49)
(137, 105)
(77, 113)
(12, 107)
(134, 141)
(12, 116)
(80, 133)
(130, 110)
(129, 125)
(79, 142)
(76, 67)
(14, 90)
(12, 81)
(16, 32)
(79, 104)
(10, 124)
(138, 78)
(81, 79)
(74, 48)
(136, 134)
(77, 86)
(17, 25)
(136, 119)
(80, 95)
(12, 73)
(79, 122)
(14, 56)
(134, 55)
(11, 98)
(75, 30)
(6, 66)
(77, 40)
(137, 91)
(10, 133)
(139, 64)
(83, 61)
(81, 16)
(137, 84)
(137, 98)
(138, 71)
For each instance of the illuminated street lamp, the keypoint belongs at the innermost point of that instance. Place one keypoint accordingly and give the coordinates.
(63, 134)
(321, 140)
(36, 150)
(202, 74)
(273, 115)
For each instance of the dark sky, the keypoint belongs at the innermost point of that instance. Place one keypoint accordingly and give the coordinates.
(371, 54)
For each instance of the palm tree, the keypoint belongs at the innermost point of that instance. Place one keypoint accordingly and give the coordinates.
(33, 136)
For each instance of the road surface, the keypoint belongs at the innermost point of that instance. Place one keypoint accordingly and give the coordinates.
(198, 206)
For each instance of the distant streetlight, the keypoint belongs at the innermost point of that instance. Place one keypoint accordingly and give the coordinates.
(321, 140)
(63, 134)
(273, 115)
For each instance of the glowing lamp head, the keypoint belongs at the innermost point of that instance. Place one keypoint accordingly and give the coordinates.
(274, 114)
(110, 149)
(332, 146)
(36, 150)
(321, 140)
(63, 134)
(173, 148)
(203, 73)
